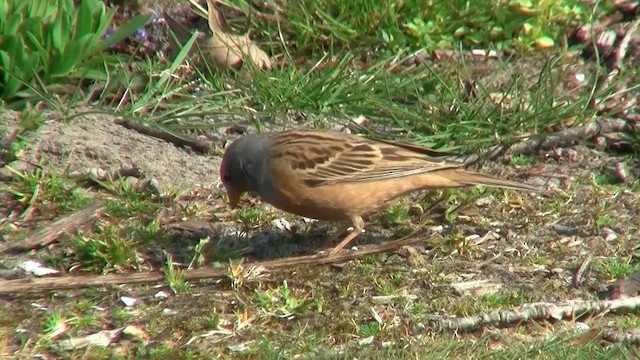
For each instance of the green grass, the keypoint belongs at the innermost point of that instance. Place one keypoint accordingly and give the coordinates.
(418, 101)
(616, 268)
(340, 86)
(175, 277)
(48, 188)
(322, 25)
(108, 249)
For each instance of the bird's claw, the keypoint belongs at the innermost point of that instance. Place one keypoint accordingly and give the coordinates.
(335, 250)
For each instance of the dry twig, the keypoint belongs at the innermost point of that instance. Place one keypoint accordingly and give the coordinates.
(84, 281)
(535, 311)
(50, 233)
(197, 145)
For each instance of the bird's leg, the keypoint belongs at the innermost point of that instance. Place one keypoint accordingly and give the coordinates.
(358, 225)
(342, 230)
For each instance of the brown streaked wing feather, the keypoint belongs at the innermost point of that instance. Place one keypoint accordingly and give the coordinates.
(325, 157)
(322, 158)
(400, 159)
(416, 148)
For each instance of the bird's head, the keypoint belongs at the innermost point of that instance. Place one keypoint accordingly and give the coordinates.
(238, 167)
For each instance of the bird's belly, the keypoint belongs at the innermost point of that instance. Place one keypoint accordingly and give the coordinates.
(321, 209)
(341, 201)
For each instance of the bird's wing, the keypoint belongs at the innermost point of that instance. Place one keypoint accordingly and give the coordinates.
(323, 158)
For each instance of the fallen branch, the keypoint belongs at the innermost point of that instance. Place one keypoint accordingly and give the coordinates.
(198, 146)
(82, 219)
(84, 281)
(95, 175)
(623, 337)
(535, 311)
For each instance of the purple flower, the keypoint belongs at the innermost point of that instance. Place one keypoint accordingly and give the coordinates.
(108, 33)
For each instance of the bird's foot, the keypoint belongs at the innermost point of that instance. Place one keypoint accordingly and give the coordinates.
(347, 239)
(339, 233)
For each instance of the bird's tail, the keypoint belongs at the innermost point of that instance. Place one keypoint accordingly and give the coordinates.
(470, 178)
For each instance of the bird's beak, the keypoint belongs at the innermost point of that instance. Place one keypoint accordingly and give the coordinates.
(234, 197)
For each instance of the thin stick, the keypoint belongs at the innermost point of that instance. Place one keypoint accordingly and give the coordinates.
(570, 309)
(83, 281)
(197, 145)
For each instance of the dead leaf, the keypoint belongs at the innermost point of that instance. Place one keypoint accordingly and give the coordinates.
(102, 339)
(476, 288)
(217, 22)
(230, 51)
(586, 337)
(222, 50)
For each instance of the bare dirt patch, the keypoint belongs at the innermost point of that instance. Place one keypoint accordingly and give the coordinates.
(93, 141)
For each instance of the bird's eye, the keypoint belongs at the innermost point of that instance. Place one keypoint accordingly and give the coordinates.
(225, 177)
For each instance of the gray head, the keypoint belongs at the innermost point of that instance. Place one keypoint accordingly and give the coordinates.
(243, 166)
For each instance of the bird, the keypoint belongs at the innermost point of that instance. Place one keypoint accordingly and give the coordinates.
(335, 176)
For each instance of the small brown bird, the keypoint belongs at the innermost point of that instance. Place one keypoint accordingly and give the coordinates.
(329, 175)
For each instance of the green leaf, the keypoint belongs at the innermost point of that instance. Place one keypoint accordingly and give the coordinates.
(105, 19)
(123, 32)
(41, 39)
(87, 44)
(84, 20)
(70, 58)
(30, 66)
(93, 6)
(55, 34)
(96, 74)
(33, 26)
(13, 59)
(13, 23)
(18, 8)
(55, 59)
(5, 41)
(10, 83)
(67, 35)
(19, 51)
(10, 44)
(5, 60)
(53, 7)
(182, 55)
(36, 44)
(68, 5)
(38, 8)
(4, 8)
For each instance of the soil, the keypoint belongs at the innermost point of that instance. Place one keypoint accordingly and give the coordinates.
(93, 141)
